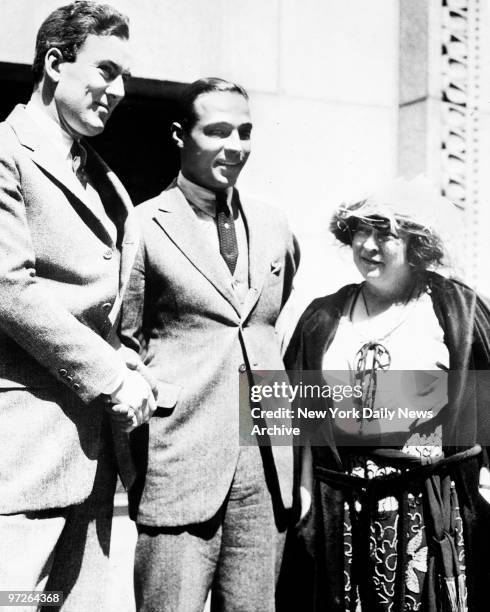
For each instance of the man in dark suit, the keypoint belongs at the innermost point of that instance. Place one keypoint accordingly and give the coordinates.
(67, 245)
(212, 274)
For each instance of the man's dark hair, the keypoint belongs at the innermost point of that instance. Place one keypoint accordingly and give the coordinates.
(67, 27)
(189, 95)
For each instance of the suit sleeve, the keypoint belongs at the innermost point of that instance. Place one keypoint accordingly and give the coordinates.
(135, 310)
(291, 266)
(33, 318)
(131, 327)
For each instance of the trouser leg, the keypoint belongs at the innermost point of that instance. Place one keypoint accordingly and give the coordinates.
(27, 542)
(251, 546)
(237, 553)
(174, 567)
(81, 558)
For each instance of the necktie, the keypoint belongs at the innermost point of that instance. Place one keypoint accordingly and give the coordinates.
(228, 246)
(78, 161)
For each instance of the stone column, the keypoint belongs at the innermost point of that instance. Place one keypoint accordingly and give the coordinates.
(440, 114)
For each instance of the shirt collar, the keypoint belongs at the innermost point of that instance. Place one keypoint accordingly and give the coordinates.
(200, 197)
(53, 130)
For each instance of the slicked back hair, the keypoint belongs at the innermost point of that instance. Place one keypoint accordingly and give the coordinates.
(188, 116)
(67, 28)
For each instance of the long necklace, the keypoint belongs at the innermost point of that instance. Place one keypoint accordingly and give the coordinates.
(404, 311)
(365, 302)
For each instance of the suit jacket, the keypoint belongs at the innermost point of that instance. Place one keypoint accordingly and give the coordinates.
(61, 281)
(181, 314)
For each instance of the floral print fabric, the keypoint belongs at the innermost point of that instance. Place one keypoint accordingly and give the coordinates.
(372, 576)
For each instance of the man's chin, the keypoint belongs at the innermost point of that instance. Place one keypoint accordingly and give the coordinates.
(226, 180)
(94, 127)
(78, 129)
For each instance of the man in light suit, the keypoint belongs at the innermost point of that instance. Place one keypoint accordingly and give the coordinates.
(67, 245)
(212, 274)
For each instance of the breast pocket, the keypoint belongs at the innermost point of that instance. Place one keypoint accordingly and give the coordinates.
(276, 267)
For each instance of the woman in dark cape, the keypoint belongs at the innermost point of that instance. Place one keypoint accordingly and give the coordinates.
(399, 524)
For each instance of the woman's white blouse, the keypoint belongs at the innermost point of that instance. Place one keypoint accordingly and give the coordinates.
(418, 360)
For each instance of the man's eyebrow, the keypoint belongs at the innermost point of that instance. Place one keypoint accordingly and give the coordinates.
(115, 67)
(219, 124)
(228, 124)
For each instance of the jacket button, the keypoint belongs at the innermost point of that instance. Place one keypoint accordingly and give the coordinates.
(107, 306)
(76, 386)
(242, 368)
(108, 254)
(63, 372)
(69, 379)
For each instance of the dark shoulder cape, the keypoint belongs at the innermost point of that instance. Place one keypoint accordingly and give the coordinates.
(315, 330)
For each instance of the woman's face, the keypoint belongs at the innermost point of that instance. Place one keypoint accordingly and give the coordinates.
(380, 256)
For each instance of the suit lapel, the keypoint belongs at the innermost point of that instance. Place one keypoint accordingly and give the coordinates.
(258, 253)
(44, 156)
(130, 236)
(112, 193)
(117, 199)
(177, 219)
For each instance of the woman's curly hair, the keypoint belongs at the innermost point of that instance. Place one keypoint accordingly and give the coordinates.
(424, 248)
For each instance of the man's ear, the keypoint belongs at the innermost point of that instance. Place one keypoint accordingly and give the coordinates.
(52, 62)
(178, 134)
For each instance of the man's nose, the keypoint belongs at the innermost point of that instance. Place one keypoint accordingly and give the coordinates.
(116, 88)
(234, 143)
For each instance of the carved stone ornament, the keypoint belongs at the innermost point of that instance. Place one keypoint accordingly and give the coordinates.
(460, 94)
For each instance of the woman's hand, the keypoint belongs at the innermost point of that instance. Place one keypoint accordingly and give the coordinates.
(484, 487)
(306, 481)
(305, 496)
